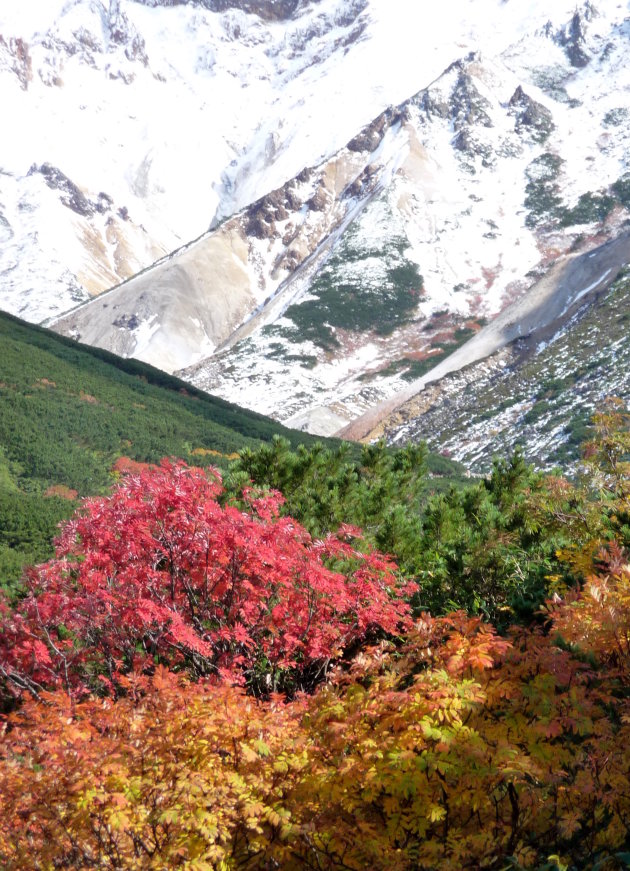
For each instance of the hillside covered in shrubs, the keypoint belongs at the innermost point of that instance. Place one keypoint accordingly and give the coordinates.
(312, 662)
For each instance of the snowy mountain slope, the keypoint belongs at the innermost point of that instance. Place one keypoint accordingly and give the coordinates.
(150, 112)
(469, 202)
(244, 272)
(547, 310)
(479, 235)
(539, 395)
(165, 117)
(320, 292)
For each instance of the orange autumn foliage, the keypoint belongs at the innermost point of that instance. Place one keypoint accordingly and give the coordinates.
(442, 761)
(462, 749)
(172, 775)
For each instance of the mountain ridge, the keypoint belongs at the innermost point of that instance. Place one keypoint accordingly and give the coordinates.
(482, 122)
(318, 298)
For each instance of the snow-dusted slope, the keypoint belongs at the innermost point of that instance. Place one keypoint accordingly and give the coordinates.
(130, 122)
(231, 280)
(538, 317)
(539, 394)
(505, 164)
(353, 244)
(362, 273)
(133, 125)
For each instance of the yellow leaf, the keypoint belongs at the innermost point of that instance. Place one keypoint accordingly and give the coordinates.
(436, 813)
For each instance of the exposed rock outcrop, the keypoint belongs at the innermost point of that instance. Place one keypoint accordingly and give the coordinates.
(463, 103)
(573, 37)
(269, 10)
(15, 54)
(467, 105)
(371, 136)
(122, 32)
(318, 201)
(275, 206)
(71, 194)
(530, 116)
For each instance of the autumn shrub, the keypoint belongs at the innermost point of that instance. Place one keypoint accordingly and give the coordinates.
(459, 750)
(472, 751)
(160, 572)
(172, 775)
(449, 747)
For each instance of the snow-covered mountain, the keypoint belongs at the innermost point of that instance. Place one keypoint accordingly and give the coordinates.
(135, 126)
(335, 194)
(131, 124)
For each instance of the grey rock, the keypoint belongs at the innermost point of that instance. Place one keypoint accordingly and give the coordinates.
(573, 37)
(531, 116)
(72, 196)
(269, 10)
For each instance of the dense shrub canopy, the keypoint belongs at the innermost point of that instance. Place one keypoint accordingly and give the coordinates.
(441, 743)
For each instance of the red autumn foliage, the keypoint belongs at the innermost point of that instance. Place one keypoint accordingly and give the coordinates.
(161, 572)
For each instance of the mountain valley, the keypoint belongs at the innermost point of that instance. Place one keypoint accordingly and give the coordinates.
(314, 435)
